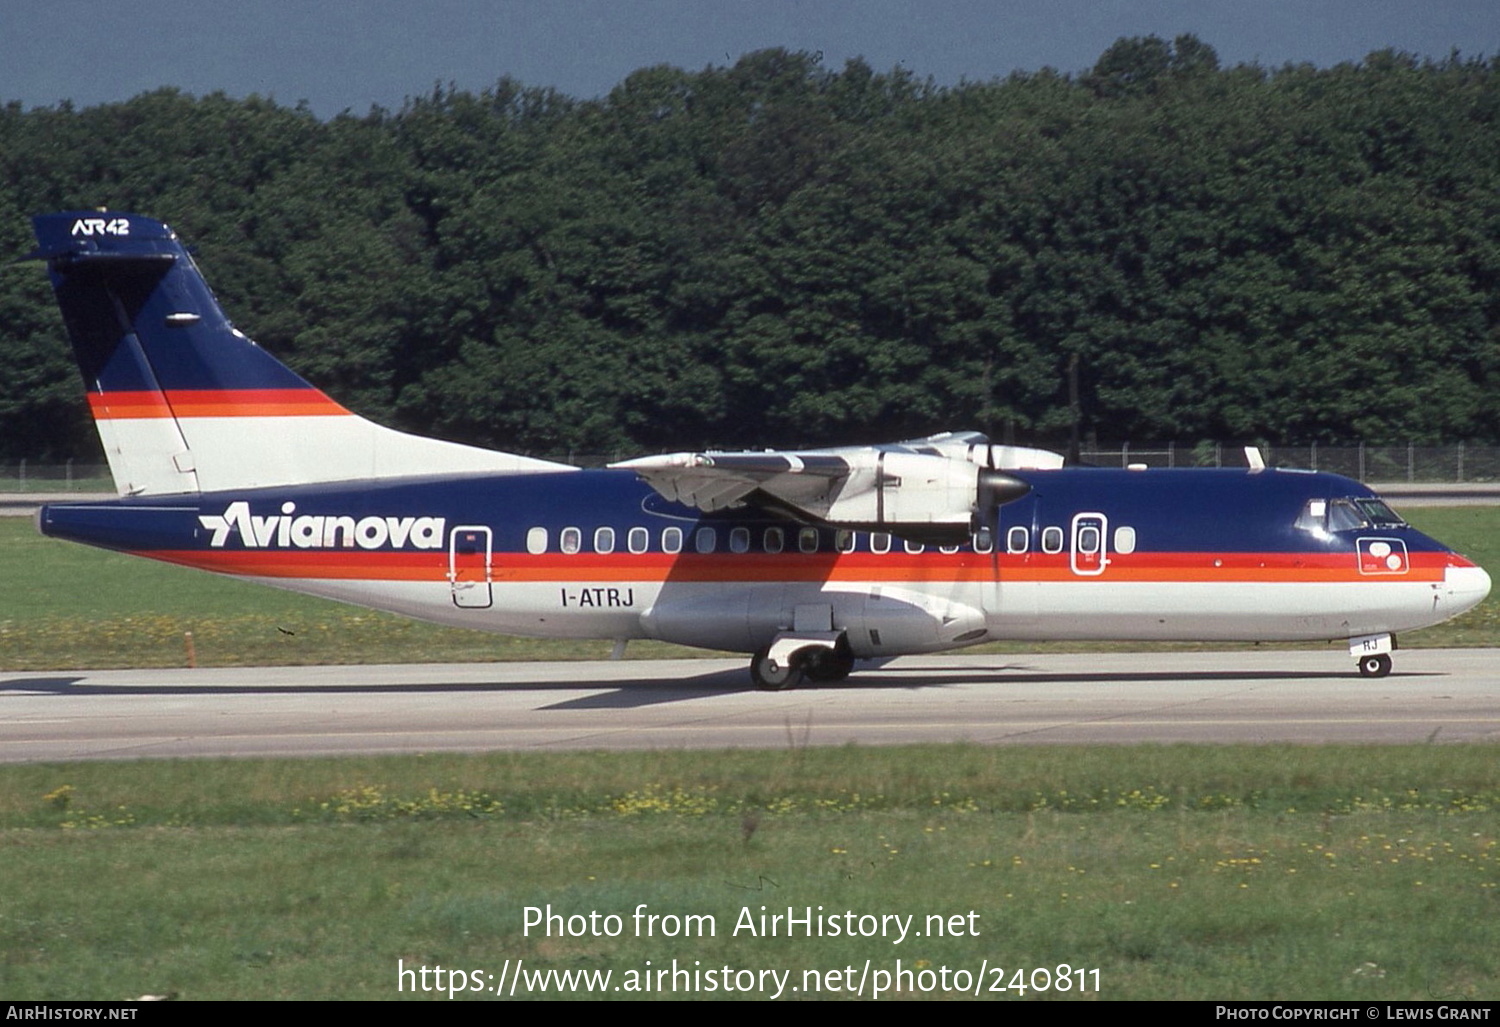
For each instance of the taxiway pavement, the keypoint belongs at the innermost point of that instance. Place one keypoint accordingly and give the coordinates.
(1434, 695)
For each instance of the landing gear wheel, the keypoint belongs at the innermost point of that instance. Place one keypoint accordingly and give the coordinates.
(828, 665)
(771, 676)
(1377, 666)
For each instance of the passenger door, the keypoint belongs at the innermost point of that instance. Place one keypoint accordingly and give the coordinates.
(470, 552)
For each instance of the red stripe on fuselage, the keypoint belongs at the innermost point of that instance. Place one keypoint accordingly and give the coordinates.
(213, 403)
(432, 565)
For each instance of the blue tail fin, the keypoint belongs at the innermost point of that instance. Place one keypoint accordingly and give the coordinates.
(183, 400)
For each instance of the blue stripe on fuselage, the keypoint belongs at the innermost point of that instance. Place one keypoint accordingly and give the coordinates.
(1171, 510)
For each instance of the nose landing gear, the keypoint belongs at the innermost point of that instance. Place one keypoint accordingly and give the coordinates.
(1372, 654)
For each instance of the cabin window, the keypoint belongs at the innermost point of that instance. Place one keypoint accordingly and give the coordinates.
(807, 540)
(843, 541)
(705, 540)
(536, 541)
(914, 547)
(671, 540)
(984, 540)
(1125, 540)
(774, 540)
(604, 540)
(1088, 539)
(637, 540)
(1052, 539)
(571, 540)
(880, 542)
(950, 550)
(739, 540)
(1018, 540)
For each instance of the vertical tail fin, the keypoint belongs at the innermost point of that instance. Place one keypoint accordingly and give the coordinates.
(183, 400)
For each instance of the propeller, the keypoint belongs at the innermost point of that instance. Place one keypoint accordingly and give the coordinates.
(996, 488)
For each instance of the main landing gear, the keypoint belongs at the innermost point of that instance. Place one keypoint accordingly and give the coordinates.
(1377, 666)
(787, 661)
(773, 675)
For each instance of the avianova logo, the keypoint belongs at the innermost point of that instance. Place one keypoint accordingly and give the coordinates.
(325, 531)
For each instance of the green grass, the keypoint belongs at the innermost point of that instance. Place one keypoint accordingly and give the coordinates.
(65, 606)
(1356, 873)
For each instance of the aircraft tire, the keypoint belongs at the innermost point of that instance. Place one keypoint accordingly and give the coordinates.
(1377, 666)
(770, 676)
(828, 665)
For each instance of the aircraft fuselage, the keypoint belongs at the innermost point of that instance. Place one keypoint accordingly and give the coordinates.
(1086, 554)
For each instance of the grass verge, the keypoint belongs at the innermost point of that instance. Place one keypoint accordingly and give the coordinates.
(1366, 874)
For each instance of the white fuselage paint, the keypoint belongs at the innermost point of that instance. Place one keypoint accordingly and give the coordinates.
(742, 616)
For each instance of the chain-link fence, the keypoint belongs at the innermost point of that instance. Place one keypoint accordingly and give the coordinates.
(1456, 462)
(1459, 462)
(44, 476)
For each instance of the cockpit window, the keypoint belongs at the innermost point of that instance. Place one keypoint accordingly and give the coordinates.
(1378, 514)
(1314, 516)
(1354, 514)
(1344, 516)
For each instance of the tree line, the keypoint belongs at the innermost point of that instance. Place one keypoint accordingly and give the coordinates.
(781, 253)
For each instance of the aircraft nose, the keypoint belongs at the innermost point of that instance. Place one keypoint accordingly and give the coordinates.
(1467, 586)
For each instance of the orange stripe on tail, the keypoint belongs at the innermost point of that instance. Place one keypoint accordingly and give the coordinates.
(214, 403)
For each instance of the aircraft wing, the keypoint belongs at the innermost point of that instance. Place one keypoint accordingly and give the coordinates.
(932, 488)
(718, 481)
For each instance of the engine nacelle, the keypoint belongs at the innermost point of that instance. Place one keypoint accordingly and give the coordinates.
(923, 497)
(912, 491)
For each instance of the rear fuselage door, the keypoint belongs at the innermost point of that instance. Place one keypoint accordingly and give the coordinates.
(1088, 554)
(470, 552)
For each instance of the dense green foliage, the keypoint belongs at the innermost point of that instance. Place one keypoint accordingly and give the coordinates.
(780, 253)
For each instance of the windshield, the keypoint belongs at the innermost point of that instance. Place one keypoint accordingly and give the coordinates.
(1378, 514)
(1351, 514)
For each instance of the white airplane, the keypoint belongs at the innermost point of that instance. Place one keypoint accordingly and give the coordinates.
(227, 460)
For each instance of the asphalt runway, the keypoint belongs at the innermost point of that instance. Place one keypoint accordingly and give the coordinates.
(1434, 695)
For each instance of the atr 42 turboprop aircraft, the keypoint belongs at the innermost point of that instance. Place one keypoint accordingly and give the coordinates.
(227, 460)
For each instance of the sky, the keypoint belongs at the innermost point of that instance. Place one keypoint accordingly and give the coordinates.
(339, 55)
